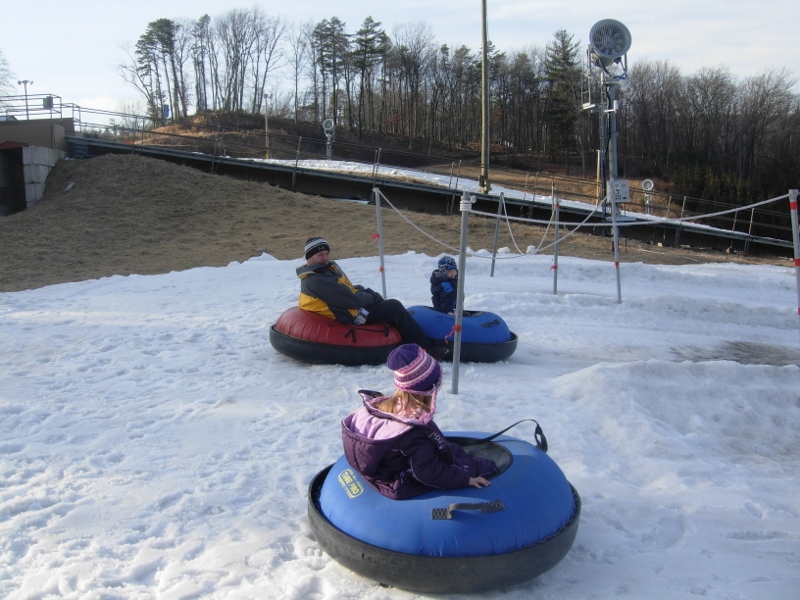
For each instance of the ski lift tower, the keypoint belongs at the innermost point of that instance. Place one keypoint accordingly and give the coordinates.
(607, 61)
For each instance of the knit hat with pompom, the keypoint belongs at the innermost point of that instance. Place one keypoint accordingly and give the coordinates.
(415, 371)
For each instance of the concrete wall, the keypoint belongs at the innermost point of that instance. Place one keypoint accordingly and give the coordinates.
(37, 162)
(47, 133)
(43, 144)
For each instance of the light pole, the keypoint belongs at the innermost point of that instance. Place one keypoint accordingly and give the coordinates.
(25, 83)
(266, 123)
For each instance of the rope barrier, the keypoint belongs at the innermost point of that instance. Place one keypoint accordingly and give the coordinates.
(494, 216)
(555, 223)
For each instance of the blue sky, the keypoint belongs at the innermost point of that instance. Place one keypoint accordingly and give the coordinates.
(73, 50)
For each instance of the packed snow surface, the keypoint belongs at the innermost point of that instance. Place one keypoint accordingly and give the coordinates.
(154, 445)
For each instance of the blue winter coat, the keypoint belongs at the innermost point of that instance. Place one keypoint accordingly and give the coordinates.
(403, 458)
(444, 292)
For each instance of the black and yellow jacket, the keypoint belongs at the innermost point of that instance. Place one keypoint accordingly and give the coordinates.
(326, 290)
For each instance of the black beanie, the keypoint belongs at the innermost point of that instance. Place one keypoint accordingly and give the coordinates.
(314, 245)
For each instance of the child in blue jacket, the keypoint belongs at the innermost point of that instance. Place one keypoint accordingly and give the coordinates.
(444, 286)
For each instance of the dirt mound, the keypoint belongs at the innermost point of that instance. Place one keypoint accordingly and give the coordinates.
(125, 214)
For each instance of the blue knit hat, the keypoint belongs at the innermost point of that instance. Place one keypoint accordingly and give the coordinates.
(415, 371)
(446, 263)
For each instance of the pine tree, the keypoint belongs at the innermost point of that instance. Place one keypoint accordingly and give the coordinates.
(563, 92)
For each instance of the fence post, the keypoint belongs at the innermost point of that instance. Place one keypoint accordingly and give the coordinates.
(525, 188)
(296, 162)
(749, 230)
(376, 194)
(556, 214)
(501, 205)
(616, 245)
(466, 205)
(376, 165)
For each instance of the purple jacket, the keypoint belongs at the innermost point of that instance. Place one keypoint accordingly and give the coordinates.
(402, 457)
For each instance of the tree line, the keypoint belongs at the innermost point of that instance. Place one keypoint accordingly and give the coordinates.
(712, 134)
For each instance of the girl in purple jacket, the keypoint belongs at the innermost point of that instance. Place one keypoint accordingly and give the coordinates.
(393, 442)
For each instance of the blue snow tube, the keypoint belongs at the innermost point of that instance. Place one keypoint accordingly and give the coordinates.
(485, 337)
(451, 541)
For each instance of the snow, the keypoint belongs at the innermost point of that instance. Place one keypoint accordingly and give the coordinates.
(154, 445)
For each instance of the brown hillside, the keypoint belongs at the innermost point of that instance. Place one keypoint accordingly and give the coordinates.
(124, 214)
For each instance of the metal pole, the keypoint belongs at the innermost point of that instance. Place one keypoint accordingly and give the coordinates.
(266, 124)
(525, 189)
(500, 209)
(377, 164)
(296, 162)
(616, 246)
(458, 179)
(376, 194)
(466, 205)
(556, 207)
(612, 133)
(612, 175)
(796, 242)
(485, 186)
(24, 83)
(602, 159)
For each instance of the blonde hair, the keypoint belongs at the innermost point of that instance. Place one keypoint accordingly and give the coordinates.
(402, 399)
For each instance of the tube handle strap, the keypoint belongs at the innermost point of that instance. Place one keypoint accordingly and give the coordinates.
(541, 441)
(440, 514)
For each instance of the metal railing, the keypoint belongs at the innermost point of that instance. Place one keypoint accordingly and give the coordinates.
(220, 140)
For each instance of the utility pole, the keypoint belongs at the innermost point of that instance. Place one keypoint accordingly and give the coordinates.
(484, 179)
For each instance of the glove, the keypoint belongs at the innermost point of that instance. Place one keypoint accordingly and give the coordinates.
(375, 295)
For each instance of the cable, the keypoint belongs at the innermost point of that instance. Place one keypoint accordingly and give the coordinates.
(550, 222)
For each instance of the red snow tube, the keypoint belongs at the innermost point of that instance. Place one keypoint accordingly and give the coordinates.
(312, 338)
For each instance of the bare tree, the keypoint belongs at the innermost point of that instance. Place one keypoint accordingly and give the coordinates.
(268, 53)
(652, 96)
(6, 76)
(299, 57)
(184, 39)
(413, 51)
(235, 36)
(202, 51)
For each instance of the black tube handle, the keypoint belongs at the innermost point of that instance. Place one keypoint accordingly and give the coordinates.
(439, 514)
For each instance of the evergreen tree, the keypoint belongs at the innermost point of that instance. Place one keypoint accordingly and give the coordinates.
(332, 48)
(563, 92)
(370, 46)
